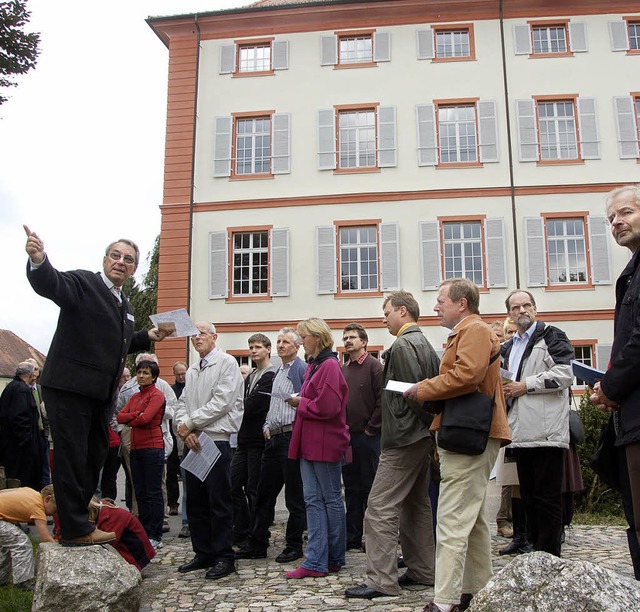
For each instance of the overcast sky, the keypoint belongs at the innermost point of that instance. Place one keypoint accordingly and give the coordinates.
(82, 144)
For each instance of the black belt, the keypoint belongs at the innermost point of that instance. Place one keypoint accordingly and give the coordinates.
(280, 430)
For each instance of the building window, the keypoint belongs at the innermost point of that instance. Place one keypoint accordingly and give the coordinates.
(557, 126)
(584, 352)
(254, 58)
(242, 358)
(355, 49)
(633, 28)
(357, 138)
(549, 39)
(250, 263)
(462, 252)
(253, 146)
(457, 134)
(445, 42)
(358, 258)
(453, 43)
(567, 251)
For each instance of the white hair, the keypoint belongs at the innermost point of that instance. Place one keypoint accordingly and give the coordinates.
(146, 357)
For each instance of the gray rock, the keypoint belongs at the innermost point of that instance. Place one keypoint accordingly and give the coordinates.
(539, 581)
(92, 578)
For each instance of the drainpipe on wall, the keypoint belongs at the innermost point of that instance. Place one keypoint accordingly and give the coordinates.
(509, 148)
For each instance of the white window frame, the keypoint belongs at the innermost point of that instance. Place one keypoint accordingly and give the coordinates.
(561, 131)
(463, 130)
(230, 57)
(360, 260)
(358, 130)
(546, 38)
(464, 245)
(259, 154)
(566, 253)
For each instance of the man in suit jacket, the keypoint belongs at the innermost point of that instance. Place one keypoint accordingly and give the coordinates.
(80, 378)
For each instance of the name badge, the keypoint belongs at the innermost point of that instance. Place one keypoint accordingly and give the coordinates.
(130, 317)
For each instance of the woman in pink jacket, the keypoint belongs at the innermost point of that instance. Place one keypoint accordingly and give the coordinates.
(320, 440)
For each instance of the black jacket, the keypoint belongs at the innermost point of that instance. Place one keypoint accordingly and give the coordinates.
(256, 406)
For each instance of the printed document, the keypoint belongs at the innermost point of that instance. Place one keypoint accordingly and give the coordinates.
(199, 463)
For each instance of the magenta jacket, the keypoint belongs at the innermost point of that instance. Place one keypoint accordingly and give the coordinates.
(320, 431)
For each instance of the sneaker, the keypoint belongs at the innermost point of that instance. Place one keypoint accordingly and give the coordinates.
(157, 544)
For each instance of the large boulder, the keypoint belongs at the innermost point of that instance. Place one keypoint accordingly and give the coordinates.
(93, 578)
(540, 581)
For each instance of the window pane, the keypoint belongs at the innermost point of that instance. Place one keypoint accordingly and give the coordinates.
(463, 251)
(253, 145)
(355, 49)
(359, 258)
(566, 248)
(357, 139)
(254, 58)
(457, 133)
(453, 43)
(558, 138)
(250, 263)
(634, 35)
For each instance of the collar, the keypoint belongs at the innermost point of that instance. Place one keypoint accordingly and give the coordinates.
(405, 327)
(458, 323)
(359, 361)
(209, 357)
(109, 284)
(527, 334)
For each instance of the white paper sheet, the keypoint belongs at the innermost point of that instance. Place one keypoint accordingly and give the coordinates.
(200, 463)
(397, 386)
(280, 394)
(178, 322)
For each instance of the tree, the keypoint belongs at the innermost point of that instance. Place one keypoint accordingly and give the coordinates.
(18, 49)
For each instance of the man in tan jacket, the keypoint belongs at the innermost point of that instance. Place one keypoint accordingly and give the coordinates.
(463, 539)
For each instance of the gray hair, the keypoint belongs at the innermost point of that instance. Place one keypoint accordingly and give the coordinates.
(146, 357)
(131, 243)
(294, 332)
(24, 368)
(211, 326)
(635, 189)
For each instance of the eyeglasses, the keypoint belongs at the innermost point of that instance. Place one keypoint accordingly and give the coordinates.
(518, 307)
(117, 256)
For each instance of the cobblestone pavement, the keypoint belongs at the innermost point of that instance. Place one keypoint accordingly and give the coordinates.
(260, 585)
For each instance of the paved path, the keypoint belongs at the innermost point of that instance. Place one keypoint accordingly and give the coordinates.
(260, 586)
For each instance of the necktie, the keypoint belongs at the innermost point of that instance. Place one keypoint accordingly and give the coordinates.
(203, 362)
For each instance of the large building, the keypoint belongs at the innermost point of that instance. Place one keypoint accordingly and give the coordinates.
(322, 153)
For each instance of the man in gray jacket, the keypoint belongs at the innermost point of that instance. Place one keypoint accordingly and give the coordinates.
(538, 406)
(398, 502)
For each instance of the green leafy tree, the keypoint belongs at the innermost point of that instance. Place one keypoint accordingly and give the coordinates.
(18, 49)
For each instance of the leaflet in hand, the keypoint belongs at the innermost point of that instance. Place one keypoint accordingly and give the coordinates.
(398, 386)
(199, 463)
(586, 373)
(280, 394)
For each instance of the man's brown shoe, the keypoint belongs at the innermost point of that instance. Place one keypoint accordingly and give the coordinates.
(95, 537)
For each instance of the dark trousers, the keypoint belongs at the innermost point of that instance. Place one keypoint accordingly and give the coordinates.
(147, 468)
(80, 432)
(210, 509)
(629, 474)
(245, 474)
(278, 471)
(358, 477)
(108, 482)
(44, 454)
(173, 469)
(540, 476)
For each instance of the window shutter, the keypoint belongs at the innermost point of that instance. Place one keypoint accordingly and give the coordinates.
(389, 257)
(618, 35)
(626, 127)
(222, 147)
(387, 148)
(603, 356)
(488, 130)
(578, 37)
(527, 131)
(328, 50)
(536, 252)
(496, 253)
(427, 145)
(280, 54)
(326, 139)
(227, 59)
(599, 250)
(430, 254)
(281, 143)
(326, 259)
(588, 124)
(424, 41)
(522, 40)
(218, 265)
(280, 261)
(382, 46)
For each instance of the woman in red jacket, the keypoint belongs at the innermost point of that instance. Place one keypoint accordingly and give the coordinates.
(143, 413)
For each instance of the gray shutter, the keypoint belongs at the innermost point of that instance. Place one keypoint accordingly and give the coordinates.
(603, 355)
(387, 147)
(496, 253)
(425, 44)
(618, 35)
(578, 37)
(627, 128)
(280, 261)
(430, 257)
(389, 256)
(280, 49)
(326, 259)
(599, 250)
(328, 50)
(222, 147)
(488, 130)
(427, 143)
(326, 139)
(218, 265)
(227, 59)
(281, 143)
(382, 46)
(522, 40)
(527, 131)
(536, 252)
(588, 125)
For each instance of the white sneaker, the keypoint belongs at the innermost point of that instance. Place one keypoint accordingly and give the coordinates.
(157, 544)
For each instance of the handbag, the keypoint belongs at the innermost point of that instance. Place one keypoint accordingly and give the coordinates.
(576, 428)
(465, 424)
(604, 461)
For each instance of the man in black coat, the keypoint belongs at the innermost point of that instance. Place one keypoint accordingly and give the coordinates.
(95, 332)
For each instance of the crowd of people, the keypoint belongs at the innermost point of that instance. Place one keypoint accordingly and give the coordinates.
(314, 427)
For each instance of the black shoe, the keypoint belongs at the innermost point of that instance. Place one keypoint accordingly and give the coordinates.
(527, 547)
(221, 569)
(405, 580)
(401, 562)
(518, 546)
(362, 591)
(198, 562)
(185, 532)
(351, 544)
(251, 553)
(288, 555)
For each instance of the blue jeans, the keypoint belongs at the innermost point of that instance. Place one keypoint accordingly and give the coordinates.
(147, 467)
(326, 522)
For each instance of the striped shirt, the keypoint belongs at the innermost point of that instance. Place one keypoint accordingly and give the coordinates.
(280, 413)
